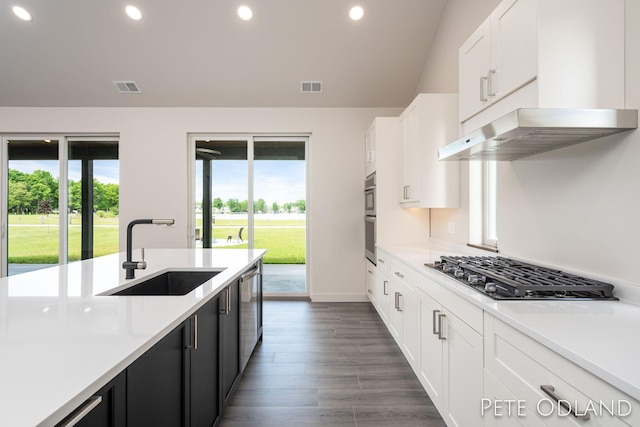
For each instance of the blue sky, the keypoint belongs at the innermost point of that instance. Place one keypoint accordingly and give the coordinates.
(274, 180)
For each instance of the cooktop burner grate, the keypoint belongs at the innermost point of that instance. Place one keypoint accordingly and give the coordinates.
(503, 278)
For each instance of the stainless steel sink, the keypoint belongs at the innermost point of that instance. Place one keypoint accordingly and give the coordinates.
(169, 283)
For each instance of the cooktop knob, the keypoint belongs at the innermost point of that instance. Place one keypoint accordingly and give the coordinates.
(459, 273)
(473, 279)
(490, 287)
(447, 268)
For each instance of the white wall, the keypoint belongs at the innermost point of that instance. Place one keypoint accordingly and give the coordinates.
(459, 20)
(440, 74)
(577, 208)
(580, 206)
(153, 173)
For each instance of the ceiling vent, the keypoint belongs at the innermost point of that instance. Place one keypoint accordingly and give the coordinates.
(127, 87)
(311, 87)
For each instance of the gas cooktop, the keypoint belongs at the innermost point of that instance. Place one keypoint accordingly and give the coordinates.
(505, 279)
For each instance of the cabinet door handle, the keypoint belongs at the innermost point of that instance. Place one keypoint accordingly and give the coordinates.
(396, 300)
(483, 97)
(407, 192)
(400, 301)
(249, 274)
(435, 322)
(194, 333)
(84, 410)
(226, 309)
(490, 91)
(400, 275)
(440, 328)
(380, 260)
(384, 287)
(551, 391)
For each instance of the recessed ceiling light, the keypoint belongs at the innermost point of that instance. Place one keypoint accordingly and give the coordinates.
(356, 13)
(245, 13)
(133, 12)
(21, 13)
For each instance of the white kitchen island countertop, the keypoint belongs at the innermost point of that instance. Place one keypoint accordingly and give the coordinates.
(599, 336)
(60, 341)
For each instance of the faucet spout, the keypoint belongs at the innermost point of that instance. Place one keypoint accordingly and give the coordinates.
(129, 265)
(163, 221)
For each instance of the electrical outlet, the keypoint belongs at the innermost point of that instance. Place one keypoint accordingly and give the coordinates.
(452, 228)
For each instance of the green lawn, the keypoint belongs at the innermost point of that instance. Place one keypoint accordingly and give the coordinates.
(285, 245)
(39, 244)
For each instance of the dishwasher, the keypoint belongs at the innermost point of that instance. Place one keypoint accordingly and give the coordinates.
(250, 311)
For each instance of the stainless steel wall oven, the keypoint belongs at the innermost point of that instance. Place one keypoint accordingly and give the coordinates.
(370, 217)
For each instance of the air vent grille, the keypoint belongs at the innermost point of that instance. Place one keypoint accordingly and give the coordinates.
(127, 87)
(311, 87)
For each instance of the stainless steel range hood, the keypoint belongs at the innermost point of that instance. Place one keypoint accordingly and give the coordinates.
(528, 131)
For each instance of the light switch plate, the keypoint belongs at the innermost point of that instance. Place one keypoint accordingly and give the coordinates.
(451, 227)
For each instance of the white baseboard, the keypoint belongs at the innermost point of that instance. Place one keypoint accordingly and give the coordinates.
(339, 298)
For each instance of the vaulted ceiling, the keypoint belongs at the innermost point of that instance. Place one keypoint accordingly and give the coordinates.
(199, 53)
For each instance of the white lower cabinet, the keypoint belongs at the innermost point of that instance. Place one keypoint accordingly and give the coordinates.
(370, 272)
(381, 289)
(451, 364)
(520, 368)
(405, 318)
(431, 349)
(463, 374)
(480, 371)
(431, 326)
(396, 318)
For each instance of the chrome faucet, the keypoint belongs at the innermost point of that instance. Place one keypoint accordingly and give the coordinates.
(129, 265)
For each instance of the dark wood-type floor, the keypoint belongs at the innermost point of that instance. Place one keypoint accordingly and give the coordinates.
(329, 364)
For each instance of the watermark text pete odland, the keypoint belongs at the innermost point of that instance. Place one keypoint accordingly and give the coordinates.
(561, 408)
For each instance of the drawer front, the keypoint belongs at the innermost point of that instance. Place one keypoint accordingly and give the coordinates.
(403, 273)
(384, 261)
(524, 367)
(500, 408)
(464, 310)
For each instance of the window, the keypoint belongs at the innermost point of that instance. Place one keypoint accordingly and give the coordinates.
(483, 204)
(490, 235)
(60, 201)
(250, 191)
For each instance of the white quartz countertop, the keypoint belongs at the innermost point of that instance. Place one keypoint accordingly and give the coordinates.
(60, 341)
(599, 336)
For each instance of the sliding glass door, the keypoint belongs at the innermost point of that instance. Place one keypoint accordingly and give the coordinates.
(249, 191)
(31, 219)
(222, 189)
(59, 200)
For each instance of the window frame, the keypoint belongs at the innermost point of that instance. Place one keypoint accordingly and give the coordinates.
(63, 196)
(483, 189)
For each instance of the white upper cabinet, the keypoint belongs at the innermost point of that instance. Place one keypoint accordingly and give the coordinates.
(542, 54)
(514, 47)
(475, 62)
(499, 57)
(428, 124)
(370, 150)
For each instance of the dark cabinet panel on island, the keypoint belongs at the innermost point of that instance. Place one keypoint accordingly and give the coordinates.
(230, 342)
(188, 377)
(106, 408)
(205, 376)
(156, 383)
